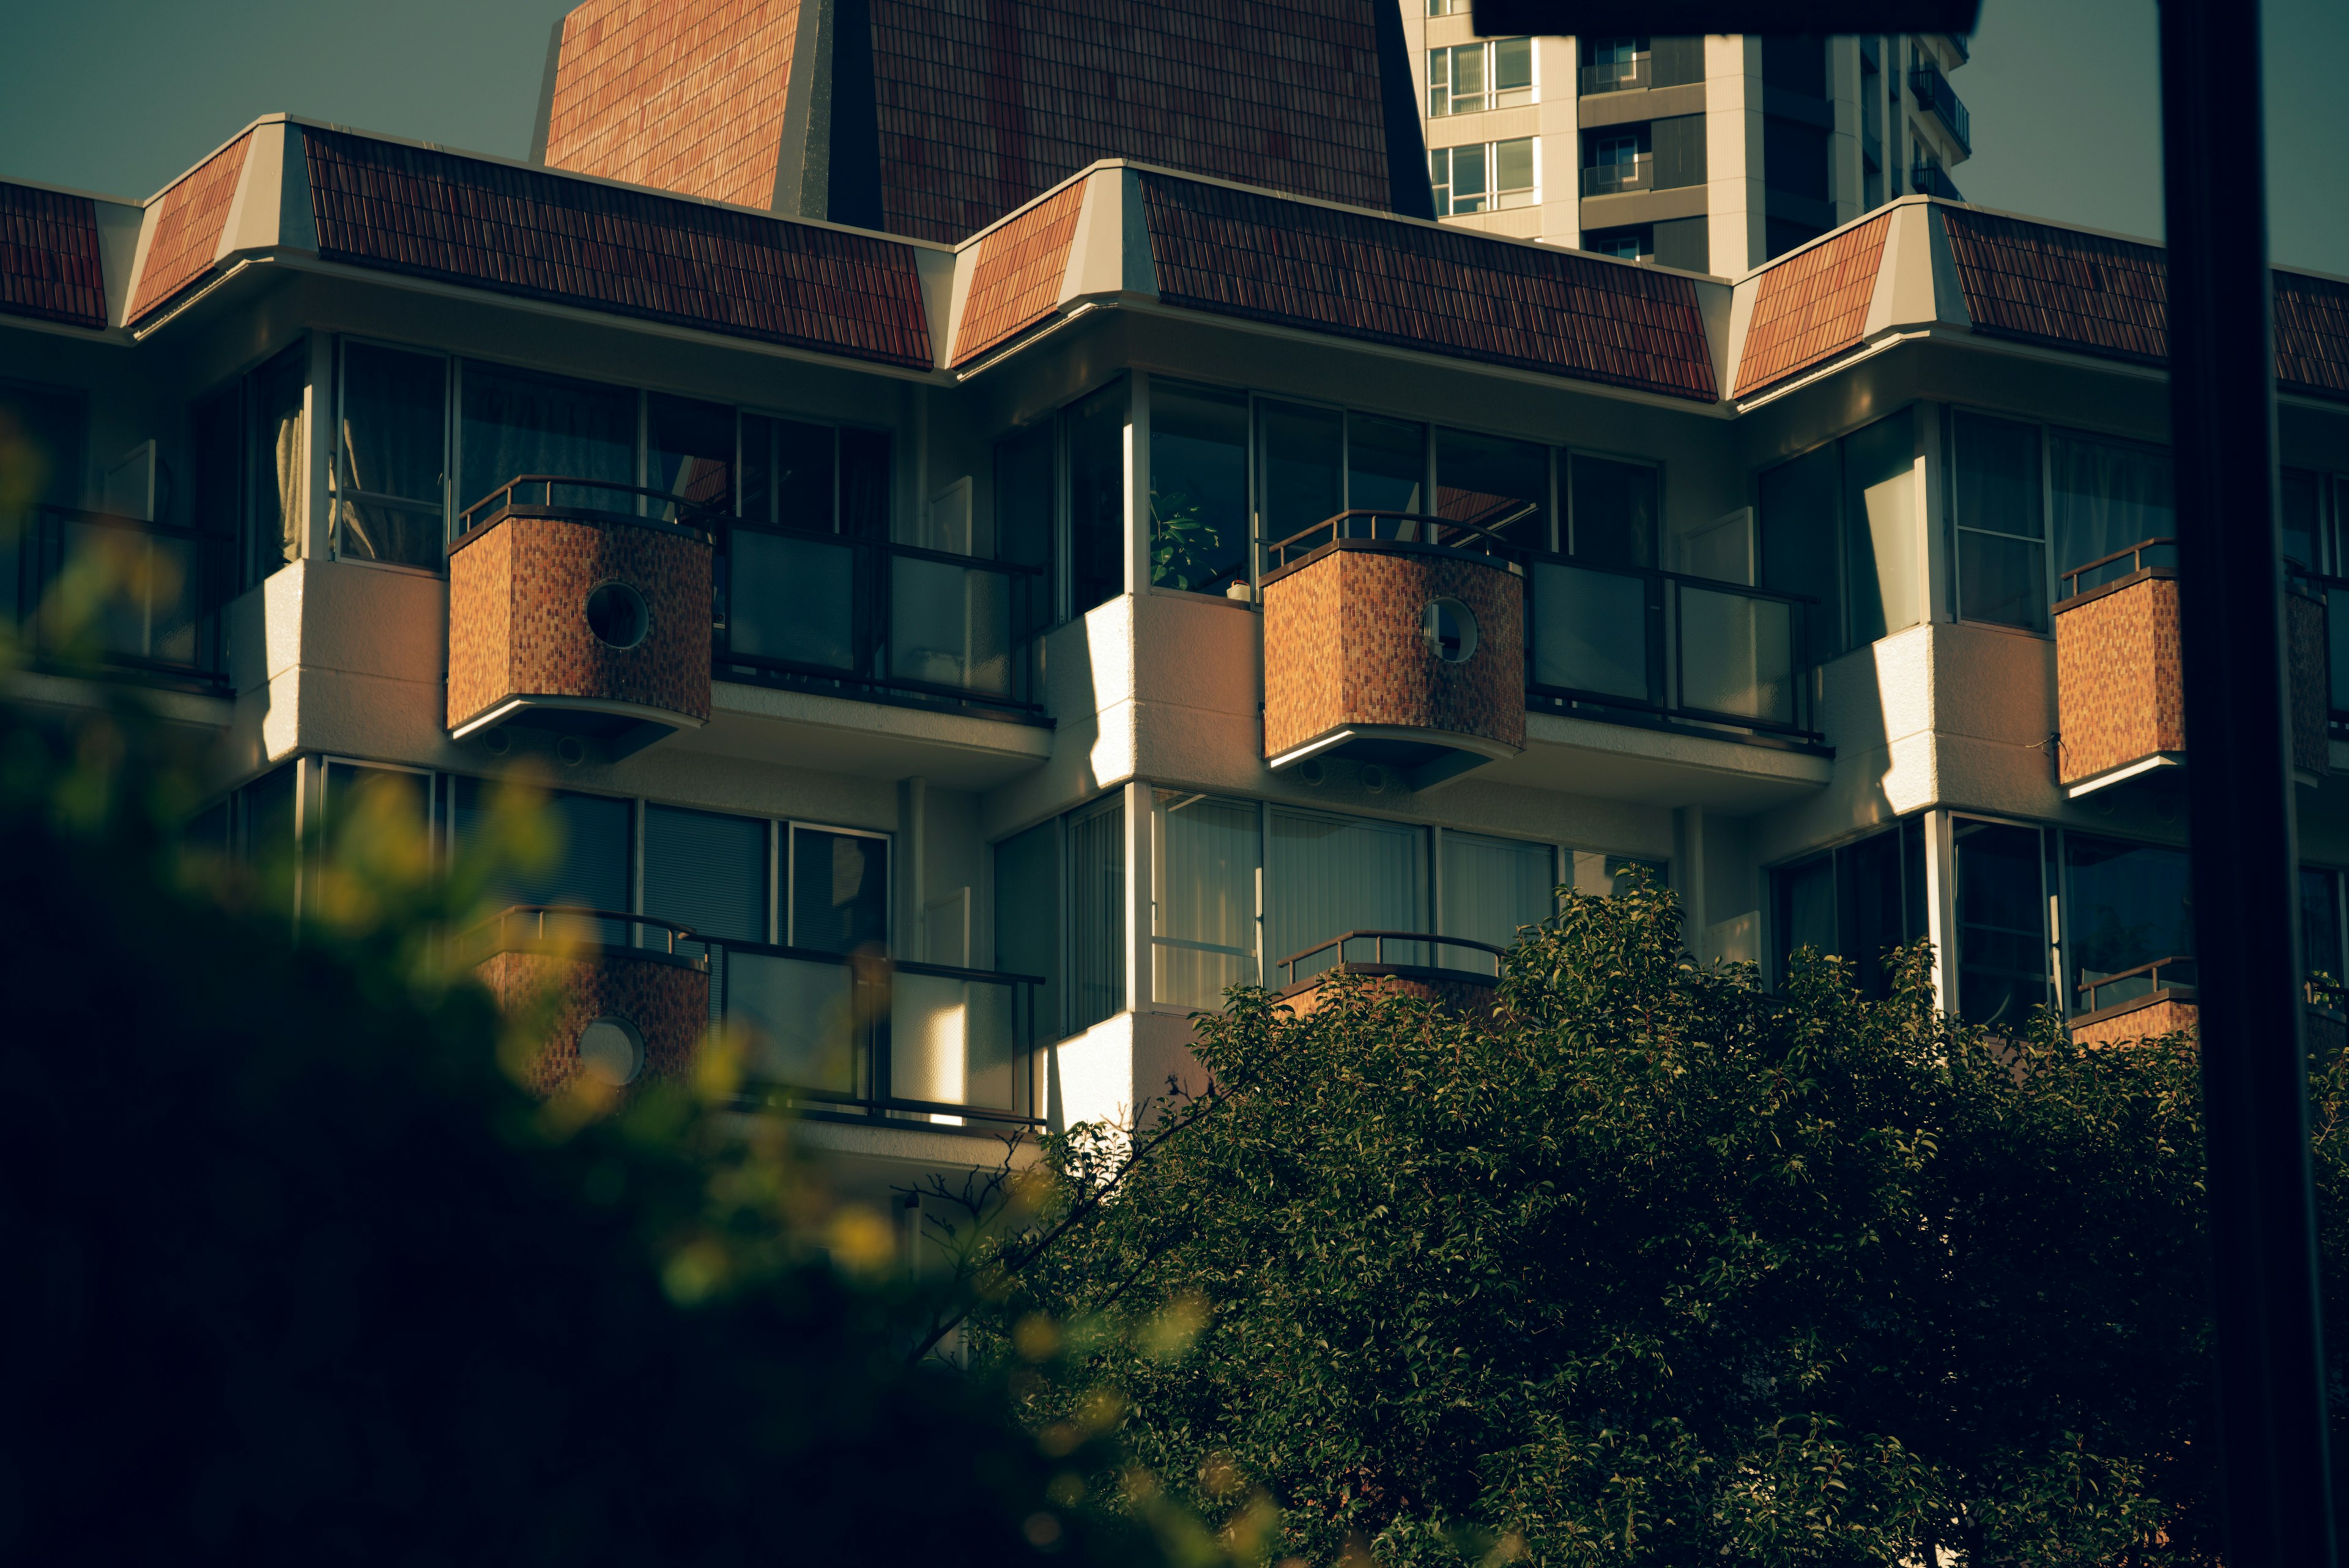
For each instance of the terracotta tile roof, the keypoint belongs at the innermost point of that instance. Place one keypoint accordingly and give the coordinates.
(188, 229)
(49, 265)
(2311, 334)
(637, 81)
(519, 230)
(1016, 278)
(2098, 296)
(1237, 253)
(986, 104)
(2059, 287)
(1811, 306)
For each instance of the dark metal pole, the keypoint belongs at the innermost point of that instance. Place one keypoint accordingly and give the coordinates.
(2239, 789)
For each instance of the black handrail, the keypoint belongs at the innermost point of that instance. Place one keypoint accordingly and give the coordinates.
(2133, 554)
(676, 931)
(1379, 950)
(1344, 526)
(503, 498)
(2152, 973)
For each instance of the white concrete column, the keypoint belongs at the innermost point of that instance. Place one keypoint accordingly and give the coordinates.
(1941, 906)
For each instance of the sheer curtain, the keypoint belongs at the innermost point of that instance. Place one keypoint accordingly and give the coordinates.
(2107, 498)
(395, 441)
(515, 423)
(1096, 906)
(1205, 854)
(1494, 886)
(1333, 874)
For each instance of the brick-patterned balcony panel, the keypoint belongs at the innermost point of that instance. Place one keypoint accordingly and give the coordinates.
(1344, 645)
(1016, 279)
(667, 1003)
(544, 236)
(986, 104)
(1811, 307)
(1416, 285)
(686, 95)
(2305, 654)
(2157, 1015)
(2119, 694)
(2312, 333)
(188, 229)
(518, 617)
(51, 268)
(1474, 1001)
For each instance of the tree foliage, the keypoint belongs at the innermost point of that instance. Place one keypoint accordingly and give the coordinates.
(1650, 1267)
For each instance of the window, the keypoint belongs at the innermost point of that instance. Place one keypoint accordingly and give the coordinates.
(2002, 922)
(1612, 512)
(1097, 499)
(41, 446)
(1840, 524)
(1631, 244)
(1492, 886)
(1328, 875)
(1858, 902)
(391, 470)
(514, 422)
(2298, 507)
(1027, 916)
(2320, 926)
(1612, 64)
(1205, 854)
(2107, 498)
(1497, 483)
(1198, 487)
(839, 891)
(588, 865)
(1317, 463)
(274, 396)
(1482, 176)
(689, 452)
(707, 871)
(2002, 534)
(1497, 73)
(2127, 906)
(1024, 467)
(1094, 860)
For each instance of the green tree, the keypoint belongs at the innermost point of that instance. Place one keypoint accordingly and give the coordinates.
(1650, 1267)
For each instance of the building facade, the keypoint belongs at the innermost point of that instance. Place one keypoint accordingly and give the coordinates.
(1710, 154)
(955, 661)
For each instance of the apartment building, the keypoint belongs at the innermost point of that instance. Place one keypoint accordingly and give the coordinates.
(959, 656)
(1710, 154)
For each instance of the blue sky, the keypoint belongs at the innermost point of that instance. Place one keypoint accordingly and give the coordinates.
(120, 96)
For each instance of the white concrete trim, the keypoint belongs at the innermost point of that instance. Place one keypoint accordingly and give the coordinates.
(2138, 769)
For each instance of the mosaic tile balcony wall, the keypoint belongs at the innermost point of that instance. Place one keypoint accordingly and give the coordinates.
(2118, 691)
(665, 1001)
(2161, 1014)
(518, 625)
(1343, 646)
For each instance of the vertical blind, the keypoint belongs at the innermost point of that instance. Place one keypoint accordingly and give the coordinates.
(1494, 886)
(1205, 854)
(1096, 913)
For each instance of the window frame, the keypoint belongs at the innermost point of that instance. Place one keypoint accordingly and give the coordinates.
(450, 423)
(1446, 204)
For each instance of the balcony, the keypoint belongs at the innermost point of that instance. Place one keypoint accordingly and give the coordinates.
(2120, 706)
(624, 1011)
(1608, 179)
(1452, 971)
(582, 606)
(1394, 639)
(863, 1036)
(1931, 90)
(1617, 76)
(119, 595)
(1931, 180)
(869, 618)
(1616, 642)
(2152, 998)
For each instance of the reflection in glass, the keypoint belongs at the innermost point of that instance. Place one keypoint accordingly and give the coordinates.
(1204, 916)
(1386, 464)
(1498, 485)
(791, 600)
(1737, 655)
(1302, 473)
(1590, 631)
(1883, 538)
(690, 453)
(1199, 486)
(1614, 512)
(800, 1016)
(2002, 558)
(2129, 905)
(950, 625)
(2002, 923)
(840, 891)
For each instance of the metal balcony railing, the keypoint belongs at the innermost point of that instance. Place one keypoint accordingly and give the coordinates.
(867, 615)
(2097, 991)
(1392, 950)
(1932, 180)
(587, 499)
(143, 598)
(1932, 91)
(1395, 527)
(2144, 555)
(529, 927)
(861, 1033)
(1606, 179)
(1616, 639)
(1617, 76)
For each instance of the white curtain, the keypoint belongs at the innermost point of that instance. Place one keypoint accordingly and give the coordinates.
(516, 424)
(2107, 498)
(1492, 886)
(1204, 857)
(1330, 874)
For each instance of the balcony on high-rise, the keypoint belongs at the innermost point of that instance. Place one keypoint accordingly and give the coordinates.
(1933, 93)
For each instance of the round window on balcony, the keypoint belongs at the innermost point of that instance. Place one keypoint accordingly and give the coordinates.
(611, 1051)
(617, 615)
(1450, 630)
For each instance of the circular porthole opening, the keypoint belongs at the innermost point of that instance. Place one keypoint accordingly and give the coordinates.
(1450, 630)
(617, 615)
(611, 1051)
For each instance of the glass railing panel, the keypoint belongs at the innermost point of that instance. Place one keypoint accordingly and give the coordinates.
(954, 1041)
(799, 1019)
(1590, 631)
(950, 625)
(146, 591)
(1737, 655)
(792, 599)
(1184, 973)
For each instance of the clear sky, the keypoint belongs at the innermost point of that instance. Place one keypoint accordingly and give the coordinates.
(121, 96)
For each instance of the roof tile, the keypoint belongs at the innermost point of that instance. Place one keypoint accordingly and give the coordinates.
(1016, 277)
(1811, 307)
(188, 229)
(50, 262)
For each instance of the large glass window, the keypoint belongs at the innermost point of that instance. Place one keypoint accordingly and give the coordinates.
(1027, 916)
(1330, 874)
(2002, 923)
(390, 483)
(1094, 860)
(1799, 502)
(2127, 906)
(1498, 485)
(517, 423)
(1613, 511)
(1495, 887)
(689, 451)
(2002, 527)
(840, 890)
(789, 475)
(1302, 468)
(707, 871)
(276, 393)
(2320, 925)
(1469, 78)
(1386, 464)
(1866, 574)
(1097, 499)
(1860, 902)
(1198, 487)
(41, 445)
(585, 858)
(2108, 497)
(2302, 520)
(1024, 501)
(1205, 854)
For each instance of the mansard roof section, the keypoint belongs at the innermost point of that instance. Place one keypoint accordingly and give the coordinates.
(1415, 284)
(52, 256)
